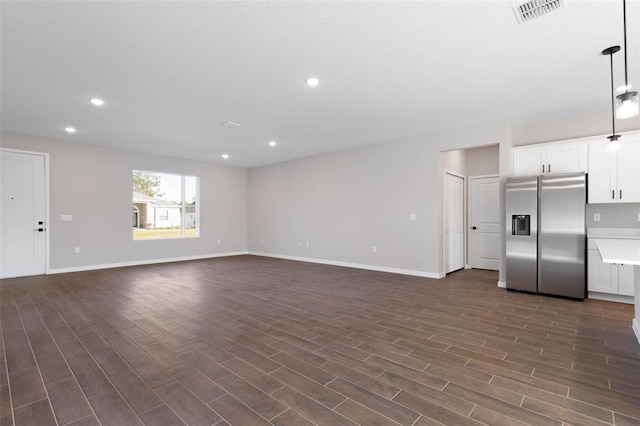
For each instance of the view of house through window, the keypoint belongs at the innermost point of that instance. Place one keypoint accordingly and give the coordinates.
(164, 205)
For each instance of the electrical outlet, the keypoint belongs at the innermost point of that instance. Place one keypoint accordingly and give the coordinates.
(260, 240)
(596, 217)
(76, 250)
(374, 249)
(299, 243)
(412, 216)
(219, 240)
(307, 243)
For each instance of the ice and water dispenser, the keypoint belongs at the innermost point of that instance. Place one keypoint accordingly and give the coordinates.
(521, 224)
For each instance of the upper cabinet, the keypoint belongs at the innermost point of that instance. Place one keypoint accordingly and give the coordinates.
(556, 157)
(614, 177)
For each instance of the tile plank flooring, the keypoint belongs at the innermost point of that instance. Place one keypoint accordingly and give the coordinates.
(250, 341)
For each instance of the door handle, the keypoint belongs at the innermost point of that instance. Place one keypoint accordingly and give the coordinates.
(474, 227)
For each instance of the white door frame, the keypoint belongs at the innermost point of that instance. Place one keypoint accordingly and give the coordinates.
(470, 211)
(46, 202)
(444, 218)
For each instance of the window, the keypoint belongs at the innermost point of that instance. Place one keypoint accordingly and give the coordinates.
(164, 205)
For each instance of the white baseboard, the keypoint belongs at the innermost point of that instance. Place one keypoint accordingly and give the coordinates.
(610, 297)
(353, 265)
(636, 328)
(502, 284)
(141, 262)
(467, 266)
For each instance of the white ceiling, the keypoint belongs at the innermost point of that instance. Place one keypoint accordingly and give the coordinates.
(171, 72)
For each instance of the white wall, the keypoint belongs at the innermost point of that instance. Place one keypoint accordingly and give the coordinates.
(345, 202)
(94, 186)
(576, 126)
(482, 161)
(342, 203)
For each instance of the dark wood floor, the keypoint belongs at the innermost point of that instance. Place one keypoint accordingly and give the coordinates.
(251, 341)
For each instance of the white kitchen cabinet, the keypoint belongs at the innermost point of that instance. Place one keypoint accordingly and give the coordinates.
(600, 275)
(625, 280)
(614, 177)
(607, 277)
(556, 157)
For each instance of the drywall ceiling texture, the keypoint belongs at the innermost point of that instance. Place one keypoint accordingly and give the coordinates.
(171, 72)
(94, 186)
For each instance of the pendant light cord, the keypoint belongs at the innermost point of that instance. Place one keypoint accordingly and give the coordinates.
(624, 23)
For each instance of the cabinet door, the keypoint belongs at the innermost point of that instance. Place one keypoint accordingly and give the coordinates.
(600, 274)
(602, 173)
(567, 158)
(529, 161)
(625, 280)
(628, 187)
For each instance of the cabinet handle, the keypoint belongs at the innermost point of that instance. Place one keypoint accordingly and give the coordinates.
(621, 194)
(549, 168)
(613, 194)
(543, 168)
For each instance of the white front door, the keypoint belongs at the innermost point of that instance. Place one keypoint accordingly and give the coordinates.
(453, 222)
(484, 248)
(22, 214)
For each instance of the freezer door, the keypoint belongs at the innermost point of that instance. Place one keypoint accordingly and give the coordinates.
(522, 233)
(562, 240)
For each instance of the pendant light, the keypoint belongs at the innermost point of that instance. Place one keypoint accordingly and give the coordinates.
(614, 145)
(627, 104)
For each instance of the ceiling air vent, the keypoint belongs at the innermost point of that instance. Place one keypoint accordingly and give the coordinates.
(536, 8)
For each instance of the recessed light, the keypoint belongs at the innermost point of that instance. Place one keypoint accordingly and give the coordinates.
(312, 81)
(272, 143)
(225, 156)
(97, 101)
(70, 129)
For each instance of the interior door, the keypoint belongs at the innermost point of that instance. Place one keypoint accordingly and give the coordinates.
(484, 247)
(22, 214)
(454, 222)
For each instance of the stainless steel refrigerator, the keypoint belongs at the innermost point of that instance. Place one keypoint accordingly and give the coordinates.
(546, 234)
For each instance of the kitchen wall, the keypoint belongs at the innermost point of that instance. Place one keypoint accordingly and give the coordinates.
(613, 215)
(572, 127)
(591, 124)
(94, 185)
(344, 203)
(481, 161)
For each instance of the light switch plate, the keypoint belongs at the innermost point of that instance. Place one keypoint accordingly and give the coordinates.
(596, 217)
(412, 216)
(66, 218)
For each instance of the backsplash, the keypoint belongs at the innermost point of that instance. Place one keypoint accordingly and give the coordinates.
(613, 215)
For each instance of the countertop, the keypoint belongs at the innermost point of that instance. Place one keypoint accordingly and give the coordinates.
(613, 232)
(623, 251)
